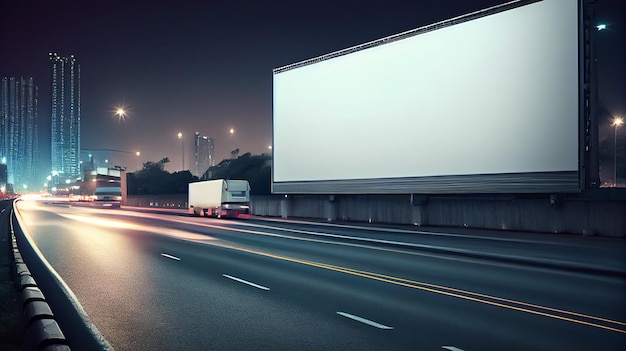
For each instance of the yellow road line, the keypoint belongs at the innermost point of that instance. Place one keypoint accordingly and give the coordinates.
(453, 292)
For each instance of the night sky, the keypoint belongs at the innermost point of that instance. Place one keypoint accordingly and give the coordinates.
(206, 66)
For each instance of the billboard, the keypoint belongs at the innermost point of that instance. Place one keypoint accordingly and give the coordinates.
(484, 103)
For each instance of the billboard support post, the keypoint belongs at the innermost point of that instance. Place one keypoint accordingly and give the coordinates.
(592, 142)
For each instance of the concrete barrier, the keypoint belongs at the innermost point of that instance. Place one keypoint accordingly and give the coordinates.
(42, 330)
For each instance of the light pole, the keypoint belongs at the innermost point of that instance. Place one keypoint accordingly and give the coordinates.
(182, 147)
(617, 121)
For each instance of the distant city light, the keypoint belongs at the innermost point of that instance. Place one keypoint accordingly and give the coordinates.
(601, 26)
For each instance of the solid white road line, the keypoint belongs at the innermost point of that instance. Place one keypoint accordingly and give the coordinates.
(245, 282)
(451, 348)
(170, 256)
(363, 320)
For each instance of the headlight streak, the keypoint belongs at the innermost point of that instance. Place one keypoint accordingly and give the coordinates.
(131, 226)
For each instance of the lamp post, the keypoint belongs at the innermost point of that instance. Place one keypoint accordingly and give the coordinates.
(182, 147)
(617, 121)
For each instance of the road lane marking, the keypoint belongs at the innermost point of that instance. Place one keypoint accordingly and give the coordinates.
(170, 256)
(458, 293)
(451, 348)
(245, 282)
(363, 320)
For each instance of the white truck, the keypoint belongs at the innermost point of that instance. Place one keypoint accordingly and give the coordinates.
(221, 198)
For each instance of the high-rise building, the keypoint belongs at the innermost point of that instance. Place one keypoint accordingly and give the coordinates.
(19, 142)
(204, 148)
(3, 179)
(65, 94)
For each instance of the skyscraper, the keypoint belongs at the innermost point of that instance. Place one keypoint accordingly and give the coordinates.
(19, 142)
(65, 94)
(204, 151)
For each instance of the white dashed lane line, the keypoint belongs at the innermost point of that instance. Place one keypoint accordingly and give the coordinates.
(170, 257)
(451, 348)
(245, 282)
(363, 320)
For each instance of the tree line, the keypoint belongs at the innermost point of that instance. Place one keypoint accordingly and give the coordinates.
(153, 179)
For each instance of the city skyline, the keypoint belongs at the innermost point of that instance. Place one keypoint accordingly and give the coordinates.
(19, 142)
(210, 68)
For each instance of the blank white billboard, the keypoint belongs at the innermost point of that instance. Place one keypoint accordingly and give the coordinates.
(483, 105)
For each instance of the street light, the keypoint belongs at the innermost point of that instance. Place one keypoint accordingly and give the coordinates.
(617, 121)
(182, 147)
(120, 113)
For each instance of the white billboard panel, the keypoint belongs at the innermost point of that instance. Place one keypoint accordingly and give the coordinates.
(492, 99)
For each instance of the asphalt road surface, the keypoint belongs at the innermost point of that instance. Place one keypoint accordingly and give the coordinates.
(152, 281)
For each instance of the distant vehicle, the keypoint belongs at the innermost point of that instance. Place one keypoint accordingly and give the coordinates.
(108, 193)
(220, 198)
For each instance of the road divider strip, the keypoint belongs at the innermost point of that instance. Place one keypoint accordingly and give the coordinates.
(363, 320)
(170, 257)
(245, 282)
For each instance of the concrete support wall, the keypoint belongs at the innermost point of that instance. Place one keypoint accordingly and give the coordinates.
(605, 216)
(551, 214)
(165, 201)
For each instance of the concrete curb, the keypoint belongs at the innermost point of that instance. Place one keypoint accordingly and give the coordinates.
(42, 330)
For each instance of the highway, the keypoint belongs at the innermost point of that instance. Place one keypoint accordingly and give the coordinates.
(159, 281)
